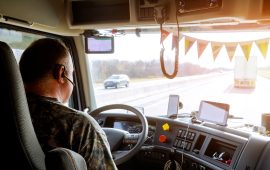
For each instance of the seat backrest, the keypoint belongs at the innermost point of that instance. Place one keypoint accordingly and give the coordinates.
(19, 141)
(19, 144)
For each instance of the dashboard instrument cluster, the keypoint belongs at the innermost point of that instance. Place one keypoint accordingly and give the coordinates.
(133, 127)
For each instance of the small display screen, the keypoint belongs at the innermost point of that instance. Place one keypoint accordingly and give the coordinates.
(173, 106)
(99, 45)
(214, 112)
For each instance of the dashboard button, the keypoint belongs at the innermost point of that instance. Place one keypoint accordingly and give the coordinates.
(166, 127)
(179, 133)
(162, 138)
(192, 136)
(183, 134)
(188, 146)
(175, 142)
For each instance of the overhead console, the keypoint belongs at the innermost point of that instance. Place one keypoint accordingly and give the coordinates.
(130, 13)
(104, 13)
(99, 11)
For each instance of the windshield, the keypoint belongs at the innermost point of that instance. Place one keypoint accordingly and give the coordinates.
(226, 67)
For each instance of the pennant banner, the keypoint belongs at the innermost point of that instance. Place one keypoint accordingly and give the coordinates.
(164, 34)
(230, 51)
(188, 44)
(230, 47)
(201, 47)
(175, 41)
(246, 48)
(263, 46)
(215, 50)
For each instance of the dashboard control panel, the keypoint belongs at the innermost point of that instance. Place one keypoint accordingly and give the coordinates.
(184, 139)
(192, 146)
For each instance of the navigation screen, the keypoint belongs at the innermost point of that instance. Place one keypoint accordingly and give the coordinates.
(99, 45)
(214, 112)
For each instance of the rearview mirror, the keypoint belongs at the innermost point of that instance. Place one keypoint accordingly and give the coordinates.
(99, 44)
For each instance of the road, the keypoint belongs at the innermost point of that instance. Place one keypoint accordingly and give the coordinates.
(153, 96)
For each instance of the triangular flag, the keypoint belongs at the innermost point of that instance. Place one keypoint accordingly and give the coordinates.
(164, 34)
(201, 47)
(188, 44)
(263, 46)
(246, 49)
(230, 50)
(215, 50)
(175, 41)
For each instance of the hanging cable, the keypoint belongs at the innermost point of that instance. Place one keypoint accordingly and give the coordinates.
(160, 17)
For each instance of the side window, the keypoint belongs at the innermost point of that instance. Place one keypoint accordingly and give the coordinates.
(19, 41)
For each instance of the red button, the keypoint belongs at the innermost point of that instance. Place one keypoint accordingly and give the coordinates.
(162, 138)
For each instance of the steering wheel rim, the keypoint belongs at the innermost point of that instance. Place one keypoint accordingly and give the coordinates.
(123, 156)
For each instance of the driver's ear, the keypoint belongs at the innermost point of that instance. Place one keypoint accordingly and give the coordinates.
(58, 73)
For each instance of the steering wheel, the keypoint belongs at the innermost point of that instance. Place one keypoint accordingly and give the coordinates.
(117, 137)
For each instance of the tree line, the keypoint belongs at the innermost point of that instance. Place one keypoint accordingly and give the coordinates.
(102, 69)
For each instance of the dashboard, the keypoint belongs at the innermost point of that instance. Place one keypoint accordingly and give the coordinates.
(194, 146)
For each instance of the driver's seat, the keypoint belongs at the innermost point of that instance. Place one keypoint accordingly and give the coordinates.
(20, 148)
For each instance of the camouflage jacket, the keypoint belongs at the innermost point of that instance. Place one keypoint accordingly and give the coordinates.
(59, 126)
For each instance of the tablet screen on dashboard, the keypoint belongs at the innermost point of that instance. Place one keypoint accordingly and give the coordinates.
(214, 112)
